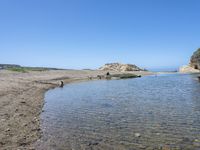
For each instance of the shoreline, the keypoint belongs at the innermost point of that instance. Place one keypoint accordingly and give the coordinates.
(22, 100)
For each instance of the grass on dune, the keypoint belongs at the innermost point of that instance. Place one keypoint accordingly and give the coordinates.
(25, 69)
(17, 69)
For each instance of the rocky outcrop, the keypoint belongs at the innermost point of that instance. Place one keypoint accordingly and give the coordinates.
(120, 67)
(194, 65)
(195, 60)
(188, 69)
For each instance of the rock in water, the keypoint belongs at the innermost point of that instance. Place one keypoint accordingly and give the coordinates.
(137, 135)
(120, 67)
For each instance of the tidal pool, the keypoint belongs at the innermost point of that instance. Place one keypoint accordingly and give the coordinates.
(152, 112)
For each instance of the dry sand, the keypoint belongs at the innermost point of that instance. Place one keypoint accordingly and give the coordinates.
(22, 99)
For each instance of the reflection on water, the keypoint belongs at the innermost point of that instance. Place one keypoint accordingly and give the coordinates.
(152, 112)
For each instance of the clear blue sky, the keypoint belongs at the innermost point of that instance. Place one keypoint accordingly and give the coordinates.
(88, 33)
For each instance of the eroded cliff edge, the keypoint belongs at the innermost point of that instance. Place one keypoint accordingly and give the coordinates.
(194, 64)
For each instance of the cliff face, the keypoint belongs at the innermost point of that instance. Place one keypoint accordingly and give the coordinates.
(194, 65)
(120, 67)
(188, 69)
(195, 60)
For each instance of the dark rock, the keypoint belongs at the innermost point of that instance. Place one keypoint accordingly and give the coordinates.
(100, 77)
(22, 115)
(124, 76)
(61, 84)
(198, 78)
(93, 143)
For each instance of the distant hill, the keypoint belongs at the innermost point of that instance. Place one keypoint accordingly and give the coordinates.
(18, 68)
(5, 66)
(120, 67)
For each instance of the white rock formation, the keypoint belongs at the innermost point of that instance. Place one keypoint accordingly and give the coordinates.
(120, 67)
(188, 69)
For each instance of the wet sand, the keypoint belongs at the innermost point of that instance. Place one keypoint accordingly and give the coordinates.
(22, 99)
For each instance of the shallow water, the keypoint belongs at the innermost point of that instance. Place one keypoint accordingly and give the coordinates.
(151, 112)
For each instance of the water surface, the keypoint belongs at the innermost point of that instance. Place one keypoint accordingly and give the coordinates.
(152, 112)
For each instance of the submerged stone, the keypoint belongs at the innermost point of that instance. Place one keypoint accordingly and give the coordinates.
(124, 76)
(137, 135)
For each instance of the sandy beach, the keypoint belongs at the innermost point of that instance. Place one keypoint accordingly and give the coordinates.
(22, 99)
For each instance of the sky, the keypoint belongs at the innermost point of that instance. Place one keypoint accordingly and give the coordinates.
(83, 34)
